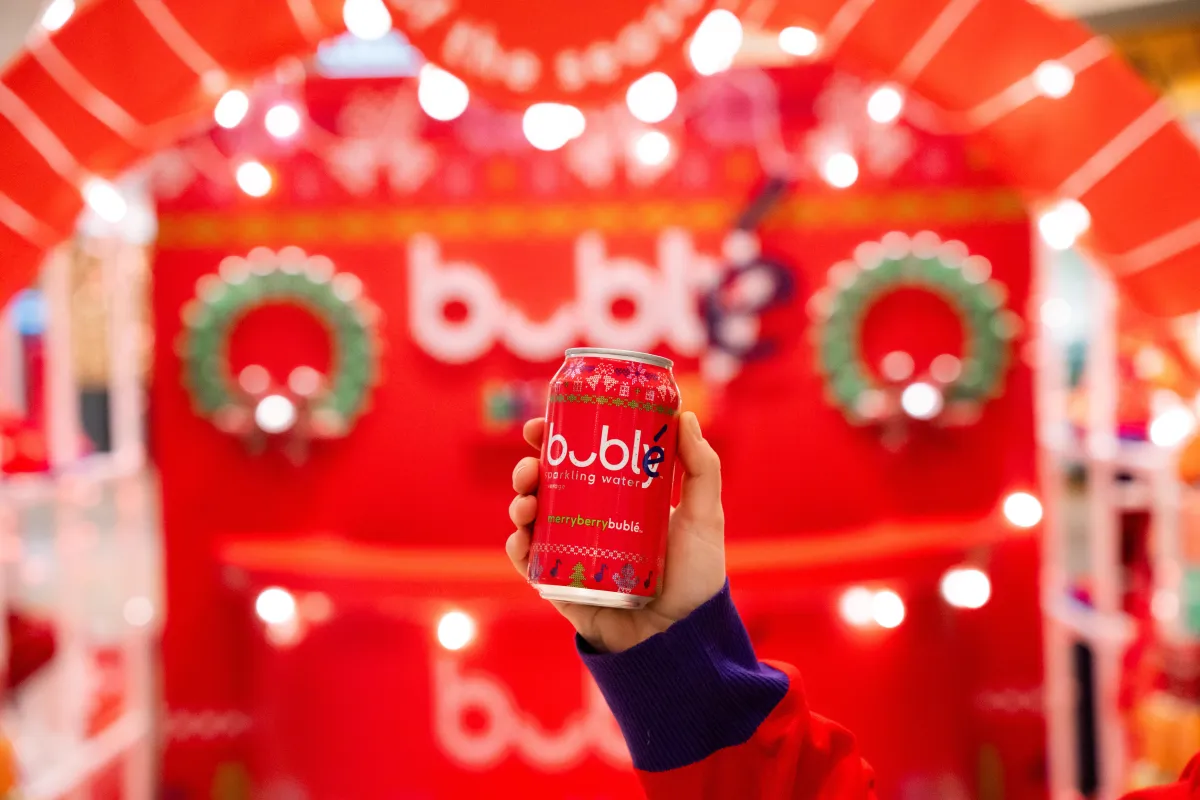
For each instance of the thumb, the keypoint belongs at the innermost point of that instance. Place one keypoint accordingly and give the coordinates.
(700, 498)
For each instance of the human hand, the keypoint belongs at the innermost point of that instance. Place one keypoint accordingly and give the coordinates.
(695, 566)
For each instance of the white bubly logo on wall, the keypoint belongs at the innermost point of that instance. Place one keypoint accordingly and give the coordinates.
(508, 731)
(664, 301)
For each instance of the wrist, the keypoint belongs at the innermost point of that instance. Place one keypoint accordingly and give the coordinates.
(695, 687)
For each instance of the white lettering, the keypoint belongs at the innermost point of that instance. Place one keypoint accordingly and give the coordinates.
(585, 463)
(506, 729)
(422, 14)
(556, 439)
(473, 49)
(606, 443)
(663, 300)
(601, 281)
(433, 286)
(635, 44)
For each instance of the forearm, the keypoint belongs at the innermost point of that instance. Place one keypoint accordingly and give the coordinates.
(704, 718)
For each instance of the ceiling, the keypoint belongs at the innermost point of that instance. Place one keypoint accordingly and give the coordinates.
(18, 16)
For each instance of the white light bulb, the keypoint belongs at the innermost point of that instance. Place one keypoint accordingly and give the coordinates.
(441, 95)
(652, 148)
(1074, 214)
(945, 368)
(1164, 605)
(1055, 232)
(275, 414)
(254, 179)
(840, 170)
(799, 41)
(921, 400)
(367, 19)
(855, 606)
(887, 609)
(1054, 79)
(1172, 426)
(897, 366)
(885, 104)
(304, 381)
(1022, 509)
(104, 199)
(57, 14)
(549, 126)
(282, 121)
(232, 108)
(1055, 313)
(1063, 224)
(716, 42)
(254, 379)
(966, 587)
(651, 98)
(139, 611)
(455, 630)
(275, 606)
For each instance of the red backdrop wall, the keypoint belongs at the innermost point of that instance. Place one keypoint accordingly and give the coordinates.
(425, 469)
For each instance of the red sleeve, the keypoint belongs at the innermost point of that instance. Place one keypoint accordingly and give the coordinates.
(794, 755)
(705, 720)
(1188, 787)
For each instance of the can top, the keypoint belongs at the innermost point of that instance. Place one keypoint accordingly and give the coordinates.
(621, 355)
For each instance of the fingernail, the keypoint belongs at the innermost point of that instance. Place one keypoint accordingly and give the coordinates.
(694, 426)
(521, 467)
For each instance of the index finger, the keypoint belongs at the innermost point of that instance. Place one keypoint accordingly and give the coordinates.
(534, 431)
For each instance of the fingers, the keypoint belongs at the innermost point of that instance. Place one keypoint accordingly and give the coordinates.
(522, 510)
(701, 496)
(517, 548)
(523, 507)
(533, 432)
(525, 475)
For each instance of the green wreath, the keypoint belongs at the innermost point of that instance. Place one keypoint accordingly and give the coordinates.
(244, 285)
(988, 325)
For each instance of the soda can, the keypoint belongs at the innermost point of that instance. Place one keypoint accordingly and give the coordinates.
(607, 467)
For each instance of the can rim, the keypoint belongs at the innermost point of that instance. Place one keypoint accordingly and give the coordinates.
(621, 355)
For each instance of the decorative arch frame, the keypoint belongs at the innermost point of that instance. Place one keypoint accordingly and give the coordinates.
(125, 78)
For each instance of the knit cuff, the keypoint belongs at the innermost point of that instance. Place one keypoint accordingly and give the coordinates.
(689, 691)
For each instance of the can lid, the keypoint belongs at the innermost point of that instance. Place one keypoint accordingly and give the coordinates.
(621, 355)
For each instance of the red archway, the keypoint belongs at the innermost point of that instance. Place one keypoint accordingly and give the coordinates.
(124, 77)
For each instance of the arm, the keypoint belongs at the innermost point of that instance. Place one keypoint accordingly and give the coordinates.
(702, 717)
(705, 719)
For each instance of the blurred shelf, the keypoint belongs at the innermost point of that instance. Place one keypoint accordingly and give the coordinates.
(1133, 496)
(1138, 459)
(80, 761)
(1090, 624)
(41, 487)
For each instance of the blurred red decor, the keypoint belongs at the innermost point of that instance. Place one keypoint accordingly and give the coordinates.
(486, 260)
(1109, 142)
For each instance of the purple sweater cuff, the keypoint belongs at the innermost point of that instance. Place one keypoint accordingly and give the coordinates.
(684, 694)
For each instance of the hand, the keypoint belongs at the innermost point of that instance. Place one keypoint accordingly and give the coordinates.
(695, 567)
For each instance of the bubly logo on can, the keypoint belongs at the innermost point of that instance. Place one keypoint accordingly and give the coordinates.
(646, 464)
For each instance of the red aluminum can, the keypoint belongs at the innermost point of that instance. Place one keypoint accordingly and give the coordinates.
(608, 462)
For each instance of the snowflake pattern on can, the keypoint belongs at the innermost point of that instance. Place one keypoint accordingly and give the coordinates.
(574, 369)
(666, 387)
(638, 374)
(603, 372)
